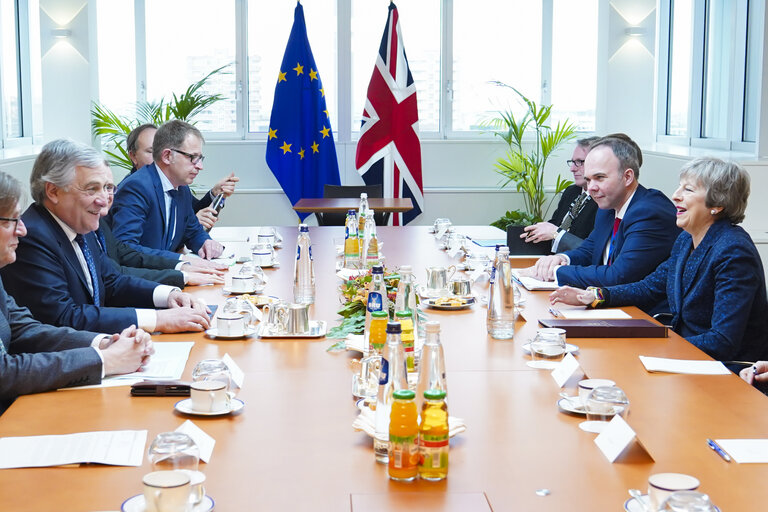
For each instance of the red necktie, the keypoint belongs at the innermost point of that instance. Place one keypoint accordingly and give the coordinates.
(616, 223)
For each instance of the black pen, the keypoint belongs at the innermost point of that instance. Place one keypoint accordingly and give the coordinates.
(718, 450)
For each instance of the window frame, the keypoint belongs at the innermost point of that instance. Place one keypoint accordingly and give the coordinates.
(24, 33)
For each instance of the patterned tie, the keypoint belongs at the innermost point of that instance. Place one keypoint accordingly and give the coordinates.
(170, 227)
(616, 223)
(100, 239)
(91, 268)
(574, 211)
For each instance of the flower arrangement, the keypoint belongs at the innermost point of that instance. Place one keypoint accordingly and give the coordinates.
(355, 295)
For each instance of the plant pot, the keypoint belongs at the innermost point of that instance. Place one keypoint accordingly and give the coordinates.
(518, 246)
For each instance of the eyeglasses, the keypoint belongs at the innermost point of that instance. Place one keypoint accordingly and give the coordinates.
(91, 191)
(15, 221)
(195, 159)
(575, 163)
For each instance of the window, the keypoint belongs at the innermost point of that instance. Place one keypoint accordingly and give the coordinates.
(455, 49)
(10, 76)
(709, 78)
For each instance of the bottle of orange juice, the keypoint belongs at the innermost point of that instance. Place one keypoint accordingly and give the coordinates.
(405, 318)
(433, 436)
(378, 331)
(403, 437)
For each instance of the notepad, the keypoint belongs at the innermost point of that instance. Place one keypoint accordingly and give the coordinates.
(532, 284)
(591, 314)
(746, 451)
(697, 367)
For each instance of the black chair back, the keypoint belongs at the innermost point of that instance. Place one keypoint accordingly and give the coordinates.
(338, 219)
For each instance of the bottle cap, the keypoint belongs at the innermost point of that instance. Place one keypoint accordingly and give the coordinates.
(432, 326)
(433, 394)
(504, 250)
(406, 269)
(303, 228)
(406, 313)
(363, 195)
(351, 211)
(377, 269)
(393, 327)
(404, 394)
(379, 314)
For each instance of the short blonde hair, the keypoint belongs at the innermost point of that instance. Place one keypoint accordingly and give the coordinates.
(727, 185)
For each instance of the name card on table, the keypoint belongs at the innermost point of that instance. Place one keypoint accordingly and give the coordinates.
(203, 441)
(615, 438)
(565, 370)
(237, 374)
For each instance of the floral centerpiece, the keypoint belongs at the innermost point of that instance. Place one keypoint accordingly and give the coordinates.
(354, 294)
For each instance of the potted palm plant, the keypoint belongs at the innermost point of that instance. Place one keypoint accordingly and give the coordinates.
(114, 129)
(525, 160)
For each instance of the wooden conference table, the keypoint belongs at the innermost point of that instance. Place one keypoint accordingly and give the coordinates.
(292, 446)
(343, 204)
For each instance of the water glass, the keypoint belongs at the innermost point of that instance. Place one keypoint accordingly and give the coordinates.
(688, 501)
(173, 450)
(548, 345)
(605, 402)
(214, 369)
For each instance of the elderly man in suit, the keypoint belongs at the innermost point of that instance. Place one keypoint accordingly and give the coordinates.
(62, 275)
(634, 229)
(153, 206)
(35, 357)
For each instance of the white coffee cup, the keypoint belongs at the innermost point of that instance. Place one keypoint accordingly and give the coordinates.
(263, 254)
(196, 486)
(209, 396)
(243, 283)
(662, 485)
(231, 324)
(587, 385)
(267, 236)
(166, 491)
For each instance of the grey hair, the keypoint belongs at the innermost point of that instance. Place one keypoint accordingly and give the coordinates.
(586, 142)
(624, 150)
(171, 135)
(727, 185)
(10, 193)
(626, 138)
(56, 164)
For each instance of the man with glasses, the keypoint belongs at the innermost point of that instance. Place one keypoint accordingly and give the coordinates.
(574, 218)
(153, 206)
(61, 273)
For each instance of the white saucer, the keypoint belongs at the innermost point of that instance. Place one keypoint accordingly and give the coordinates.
(595, 427)
(185, 406)
(213, 332)
(569, 348)
(137, 504)
(543, 365)
(230, 291)
(631, 505)
(572, 405)
(274, 263)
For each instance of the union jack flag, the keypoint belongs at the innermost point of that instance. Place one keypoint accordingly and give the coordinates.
(389, 151)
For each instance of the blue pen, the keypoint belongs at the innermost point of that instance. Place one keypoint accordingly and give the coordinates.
(718, 450)
(554, 312)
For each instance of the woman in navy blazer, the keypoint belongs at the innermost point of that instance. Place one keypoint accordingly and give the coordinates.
(713, 279)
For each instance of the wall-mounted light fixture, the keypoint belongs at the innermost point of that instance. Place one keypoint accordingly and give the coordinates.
(637, 25)
(73, 32)
(61, 33)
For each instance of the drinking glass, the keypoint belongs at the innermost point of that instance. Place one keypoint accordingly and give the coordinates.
(173, 450)
(688, 501)
(214, 369)
(548, 345)
(605, 402)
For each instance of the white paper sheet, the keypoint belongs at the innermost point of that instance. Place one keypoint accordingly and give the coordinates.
(115, 448)
(746, 451)
(662, 364)
(167, 362)
(203, 441)
(532, 284)
(237, 374)
(615, 438)
(592, 314)
(567, 367)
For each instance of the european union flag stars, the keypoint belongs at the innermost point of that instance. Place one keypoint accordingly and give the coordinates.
(300, 149)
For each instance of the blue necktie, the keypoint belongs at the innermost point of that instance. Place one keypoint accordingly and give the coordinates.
(100, 239)
(91, 268)
(170, 227)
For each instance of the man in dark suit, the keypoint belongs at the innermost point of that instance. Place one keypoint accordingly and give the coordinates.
(35, 357)
(160, 269)
(153, 206)
(139, 147)
(574, 218)
(62, 275)
(634, 229)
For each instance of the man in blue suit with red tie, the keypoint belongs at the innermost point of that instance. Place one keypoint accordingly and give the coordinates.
(634, 229)
(153, 206)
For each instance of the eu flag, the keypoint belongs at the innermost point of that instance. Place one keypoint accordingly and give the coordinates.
(300, 148)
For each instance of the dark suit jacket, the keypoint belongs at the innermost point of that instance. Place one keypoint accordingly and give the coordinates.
(716, 293)
(203, 202)
(35, 357)
(645, 237)
(131, 262)
(138, 215)
(581, 226)
(48, 279)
